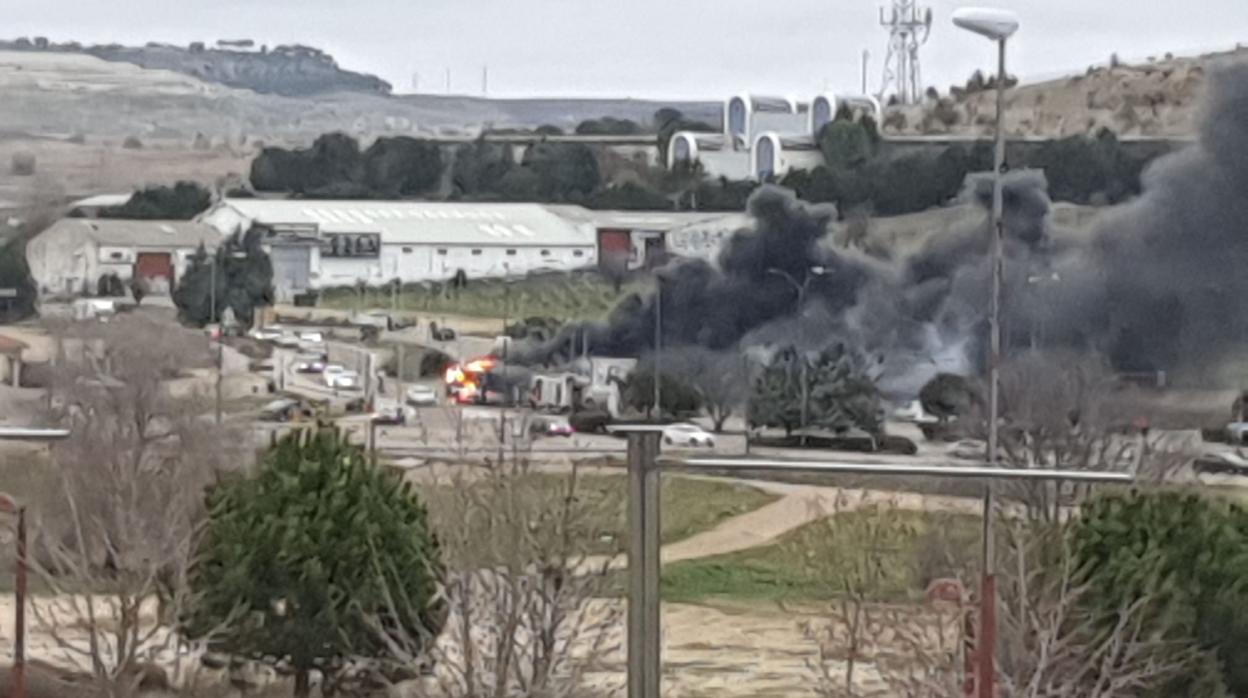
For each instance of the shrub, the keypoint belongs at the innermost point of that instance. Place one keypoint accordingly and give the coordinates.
(132, 143)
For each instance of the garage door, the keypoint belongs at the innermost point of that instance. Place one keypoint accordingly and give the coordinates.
(157, 269)
(291, 269)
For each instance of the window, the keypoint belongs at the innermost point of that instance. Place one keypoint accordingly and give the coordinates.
(578, 253)
(117, 255)
(511, 253)
(442, 251)
(545, 253)
(476, 253)
(407, 250)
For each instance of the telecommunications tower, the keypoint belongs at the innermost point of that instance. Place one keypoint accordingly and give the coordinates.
(908, 27)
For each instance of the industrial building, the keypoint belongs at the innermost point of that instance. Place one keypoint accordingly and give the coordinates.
(764, 137)
(634, 239)
(69, 257)
(321, 244)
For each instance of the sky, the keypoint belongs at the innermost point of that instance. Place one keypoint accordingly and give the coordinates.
(661, 49)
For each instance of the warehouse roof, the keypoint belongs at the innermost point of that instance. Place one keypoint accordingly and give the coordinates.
(133, 233)
(420, 222)
(657, 221)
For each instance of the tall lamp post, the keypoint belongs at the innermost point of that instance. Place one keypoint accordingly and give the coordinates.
(996, 25)
(801, 289)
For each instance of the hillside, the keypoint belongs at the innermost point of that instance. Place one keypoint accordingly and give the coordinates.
(1158, 98)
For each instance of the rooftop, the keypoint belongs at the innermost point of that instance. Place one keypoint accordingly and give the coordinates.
(132, 233)
(420, 222)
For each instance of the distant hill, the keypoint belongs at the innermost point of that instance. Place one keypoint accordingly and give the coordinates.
(1157, 98)
(291, 71)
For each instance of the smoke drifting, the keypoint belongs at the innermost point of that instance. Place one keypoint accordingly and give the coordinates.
(1156, 284)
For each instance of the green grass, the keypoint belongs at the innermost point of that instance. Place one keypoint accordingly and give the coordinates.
(689, 506)
(818, 561)
(580, 295)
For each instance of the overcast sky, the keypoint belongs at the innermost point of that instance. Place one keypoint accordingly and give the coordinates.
(668, 49)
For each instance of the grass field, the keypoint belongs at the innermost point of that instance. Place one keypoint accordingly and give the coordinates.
(689, 506)
(818, 561)
(581, 295)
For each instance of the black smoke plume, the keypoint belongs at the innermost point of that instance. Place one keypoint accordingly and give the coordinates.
(1157, 283)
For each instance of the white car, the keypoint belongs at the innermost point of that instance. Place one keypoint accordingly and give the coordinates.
(266, 334)
(421, 395)
(331, 371)
(287, 339)
(969, 449)
(313, 336)
(346, 380)
(913, 412)
(685, 434)
(310, 364)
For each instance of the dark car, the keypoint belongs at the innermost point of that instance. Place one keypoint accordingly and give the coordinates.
(590, 421)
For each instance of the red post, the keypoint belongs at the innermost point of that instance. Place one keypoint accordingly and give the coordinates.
(19, 613)
(985, 654)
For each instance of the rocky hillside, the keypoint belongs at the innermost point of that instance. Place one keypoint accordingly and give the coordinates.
(291, 71)
(1157, 98)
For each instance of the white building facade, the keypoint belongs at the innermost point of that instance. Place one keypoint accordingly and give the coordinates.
(764, 137)
(347, 242)
(68, 258)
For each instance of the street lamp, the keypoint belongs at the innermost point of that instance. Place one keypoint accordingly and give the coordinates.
(11, 507)
(801, 334)
(236, 254)
(997, 25)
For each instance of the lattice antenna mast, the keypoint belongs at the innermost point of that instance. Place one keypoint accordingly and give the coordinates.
(908, 28)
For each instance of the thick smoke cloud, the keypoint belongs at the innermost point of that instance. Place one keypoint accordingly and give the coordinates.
(1156, 285)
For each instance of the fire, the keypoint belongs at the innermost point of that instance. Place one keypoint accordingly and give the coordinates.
(464, 380)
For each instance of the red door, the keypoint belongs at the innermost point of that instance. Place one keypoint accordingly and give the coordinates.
(153, 266)
(614, 248)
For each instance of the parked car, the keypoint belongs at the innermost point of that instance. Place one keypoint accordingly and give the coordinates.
(331, 371)
(286, 410)
(266, 334)
(287, 339)
(346, 380)
(969, 449)
(547, 425)
(1223, 463)
(391, 413)
(685, 434)
(1237, 432)
(590, 421)
(421, 395)
(313, 336)
(309, 364)
(913, 412)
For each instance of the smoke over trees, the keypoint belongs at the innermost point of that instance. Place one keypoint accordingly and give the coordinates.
(1155, 285)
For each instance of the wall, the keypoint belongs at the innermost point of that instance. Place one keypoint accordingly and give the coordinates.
(62, 264)
(416, 262)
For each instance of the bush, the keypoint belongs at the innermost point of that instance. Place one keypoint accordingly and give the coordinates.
(1195, 550)
(23, 164)
(132, 143)
(300, 560)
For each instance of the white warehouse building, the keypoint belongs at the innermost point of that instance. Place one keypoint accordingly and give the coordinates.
(321, 243)
(764, 137)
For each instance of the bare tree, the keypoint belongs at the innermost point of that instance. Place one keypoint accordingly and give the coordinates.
(132, 476)
(521, 586)
(869, 648)
(719, 378)
(1056, 643)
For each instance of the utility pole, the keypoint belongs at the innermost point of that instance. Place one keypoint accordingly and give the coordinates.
(219, 333)
(485, 80)
(658, 347)
(448, 81)
(866, 56)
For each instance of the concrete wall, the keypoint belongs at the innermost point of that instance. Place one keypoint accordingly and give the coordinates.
(414, 263)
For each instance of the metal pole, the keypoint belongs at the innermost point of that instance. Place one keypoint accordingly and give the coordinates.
(19, 614)
(801, 341)
(988, 610)
(866, 55)
(658, 347)
(502, 416)
(644, 629)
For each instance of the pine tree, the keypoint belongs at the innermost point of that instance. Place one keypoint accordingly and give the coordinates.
(300, 560)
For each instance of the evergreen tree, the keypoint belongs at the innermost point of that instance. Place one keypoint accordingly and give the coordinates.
(243, 282)
(301, 561)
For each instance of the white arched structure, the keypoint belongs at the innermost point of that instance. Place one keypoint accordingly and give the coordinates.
(690, 146)
(743, 114)
(823, 109)
(773, 154)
